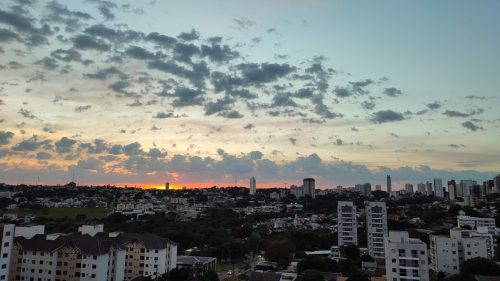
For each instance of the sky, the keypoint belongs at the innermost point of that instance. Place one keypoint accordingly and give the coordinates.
(203, 93)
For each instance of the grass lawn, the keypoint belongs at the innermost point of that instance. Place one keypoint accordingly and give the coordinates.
(225, 267)
(59, 213)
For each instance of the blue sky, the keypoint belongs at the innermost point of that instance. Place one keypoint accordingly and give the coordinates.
(200, 92)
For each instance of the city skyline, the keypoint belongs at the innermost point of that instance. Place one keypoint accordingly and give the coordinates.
(200, 93)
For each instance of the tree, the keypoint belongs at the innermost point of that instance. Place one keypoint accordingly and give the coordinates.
(280, 251)
(480, 266)
(210, 275)
(350, 251)
(366, 258)
(177, 274)
(318, 263)
(311, 275)
(347, 267)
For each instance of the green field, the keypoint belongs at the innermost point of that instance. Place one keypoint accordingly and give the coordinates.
(59, 213)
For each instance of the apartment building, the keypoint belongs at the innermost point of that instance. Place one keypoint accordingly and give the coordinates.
(448, 253)
(6, 242)
(376, 226)
(347, 223)
(406, 258)
(80, 256)
(475, 223)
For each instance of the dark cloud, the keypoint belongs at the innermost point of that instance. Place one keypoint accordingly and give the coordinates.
(219, 105)
(453, 113)
(342, 92)
(368, 105)
(5, 137)
(48, 63)
(8, 36)
(249, 126)
(106, 73)
(231, 114)
(255, 155)
(184, 52)
(392, 92)
(187, 97)
(25, 27)
(42, 155)
(86, 42)
(64, 145)
(219, 53)
(283, 99)
(139, 53)
(434, 105)
(32, 144)
(59, 13)
(95, 147)
(26, 113)
(321, 109)
(156, 153)
(114, 35)
(196, 76)
(384, 116)
(165, 115)
(471, 126)
(189, 36)
(359, 86)
(253, 73)
(293, 140)
(132, 149)
(475, 97)
(161, 40)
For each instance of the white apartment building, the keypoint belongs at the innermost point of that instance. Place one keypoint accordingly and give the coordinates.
(376, 226)
(347, 226)
(6, 242)
(406, 258)
(438, 187)
(474, 223)
(448, 253)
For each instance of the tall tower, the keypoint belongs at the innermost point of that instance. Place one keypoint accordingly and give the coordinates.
(253, 186)
(309, 187)
(389, 186)
(438, 187)
(347, 226)
(376, 227)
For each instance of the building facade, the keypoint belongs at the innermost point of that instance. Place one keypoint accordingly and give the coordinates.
(347, 223)
(253, 186)
(406, 258)
(376, 227)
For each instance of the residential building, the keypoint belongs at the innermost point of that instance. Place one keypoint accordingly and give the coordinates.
(421, 188)
(406, 258)
(452, 190)
(447, 254)
(474, 223)
(366, 188)
(253, 186)
(378, 187)
(297, 191)
(347, 223)
(376, 226)
(429, 188)
(197, 263)
(409, 188)
(6, 242)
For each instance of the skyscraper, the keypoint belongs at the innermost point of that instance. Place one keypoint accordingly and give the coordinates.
(389, 187)
(309, 187)
(452, 190)
(438, 187)
(347, 226)
(376, 227)
(253, 186)
(496, 181)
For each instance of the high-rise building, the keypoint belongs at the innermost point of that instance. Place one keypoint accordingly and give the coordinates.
(309, 187)
(376, 227)
(452, 190)
(405, 258)
(465, 188)
(409, 188)
(167, 186)
(429, 188)
(474, 222)
(366, 189)
(496, 181)
(421, 188)
(347, 226)
(253, 186)
(389, 186)
(378, 187)
(297, 191)
(438, 187)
